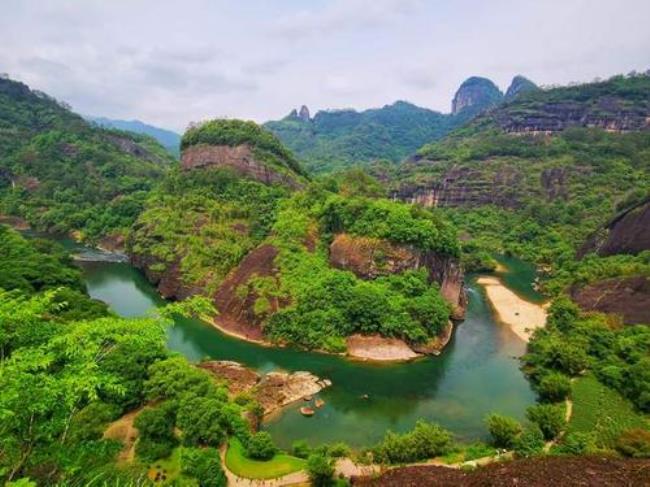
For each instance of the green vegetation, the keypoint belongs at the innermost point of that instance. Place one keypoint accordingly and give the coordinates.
(504, 430)
(320, 468)
(329, 304)
(530, 442)
(205, 222)
(573, 342)
(260, 446)
(425, 441)
(239, 464)
(337, 139)
(549, 418)
(602, 412)
(265, 145)
(634, 443)
(63, 174)
(67, 372)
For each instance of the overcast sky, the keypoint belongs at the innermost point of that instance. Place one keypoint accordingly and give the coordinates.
(171, 62)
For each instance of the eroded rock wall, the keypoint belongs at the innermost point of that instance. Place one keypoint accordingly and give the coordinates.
(240, 158)
(369, 258)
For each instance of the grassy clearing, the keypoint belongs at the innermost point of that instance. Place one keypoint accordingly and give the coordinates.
(599, 409)
(167, 470)
(281, 464)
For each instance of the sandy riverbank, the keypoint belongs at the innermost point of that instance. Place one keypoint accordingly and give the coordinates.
(522, 316)
(379, 349)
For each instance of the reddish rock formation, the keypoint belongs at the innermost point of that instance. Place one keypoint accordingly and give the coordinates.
(169, 281)
(236, 311)
(272, 390)
(607, 113)
(369, 258)
(239, 158)
(465, 186)
(627, 233)
(627, 297)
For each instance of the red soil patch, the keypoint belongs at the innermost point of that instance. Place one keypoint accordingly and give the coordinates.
(541, 472)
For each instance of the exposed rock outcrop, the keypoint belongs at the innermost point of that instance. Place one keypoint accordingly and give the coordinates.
(627, 233)
(628, 297)
(168, 282)
(466, 186)
(272, 390)
(304, 114)
(369, 258)
(608, 113)
(237, 309)
(239, 158)
(519, 84)
(476, 93)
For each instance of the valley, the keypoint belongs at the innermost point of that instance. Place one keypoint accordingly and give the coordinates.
(383, 293)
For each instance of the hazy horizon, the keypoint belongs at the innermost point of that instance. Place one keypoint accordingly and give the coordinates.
(173, 63)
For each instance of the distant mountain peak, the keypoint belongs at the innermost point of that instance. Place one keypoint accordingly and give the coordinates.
(520, 84)
(303, 114)
(477, 93)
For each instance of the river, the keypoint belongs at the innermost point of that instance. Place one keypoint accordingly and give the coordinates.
(477, 373)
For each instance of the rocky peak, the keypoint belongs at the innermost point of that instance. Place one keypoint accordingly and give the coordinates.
(304, 114)
(520, 84)
(476, 93)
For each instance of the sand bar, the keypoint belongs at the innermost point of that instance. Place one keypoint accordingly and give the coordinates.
(522, 316)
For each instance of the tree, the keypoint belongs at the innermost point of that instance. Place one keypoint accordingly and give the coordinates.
(530, 442)
(260, 446)
(204, 465)
(549, 418)
(504, 430)
(554, 387)
(320, 469)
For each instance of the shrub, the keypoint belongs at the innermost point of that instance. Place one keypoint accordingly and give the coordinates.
(300, 449)
(554, 387)
(260, 446)
(577, 444)
(204, 465)
(504, 430)
(530, 442)
(150, 450)
(201, 421)
(156, 428)
(548, 417)
(634, 443)
(426, 440)
(320, 469)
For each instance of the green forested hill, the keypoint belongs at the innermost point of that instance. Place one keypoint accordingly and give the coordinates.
(168, 139)
(336, 139)
(62, 174)
(538, 174)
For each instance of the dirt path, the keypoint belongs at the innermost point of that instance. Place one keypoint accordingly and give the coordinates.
(123, 430)
(522, 316)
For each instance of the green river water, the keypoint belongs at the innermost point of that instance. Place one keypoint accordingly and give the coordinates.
(477, 373)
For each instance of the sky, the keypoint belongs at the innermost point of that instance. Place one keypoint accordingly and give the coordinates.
(171, 62)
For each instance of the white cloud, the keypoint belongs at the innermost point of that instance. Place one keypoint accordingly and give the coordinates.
(171, 62)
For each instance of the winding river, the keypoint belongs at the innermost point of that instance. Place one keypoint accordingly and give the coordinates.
(477, 373)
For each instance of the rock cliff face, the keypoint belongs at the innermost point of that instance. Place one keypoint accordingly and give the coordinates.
(239, 158)
(304, 114)
(465, 186)
(607, 113)
(369, 258)
(627, 297)
(476, 93)
(627, 233)
(236, 308)
(519, 85)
